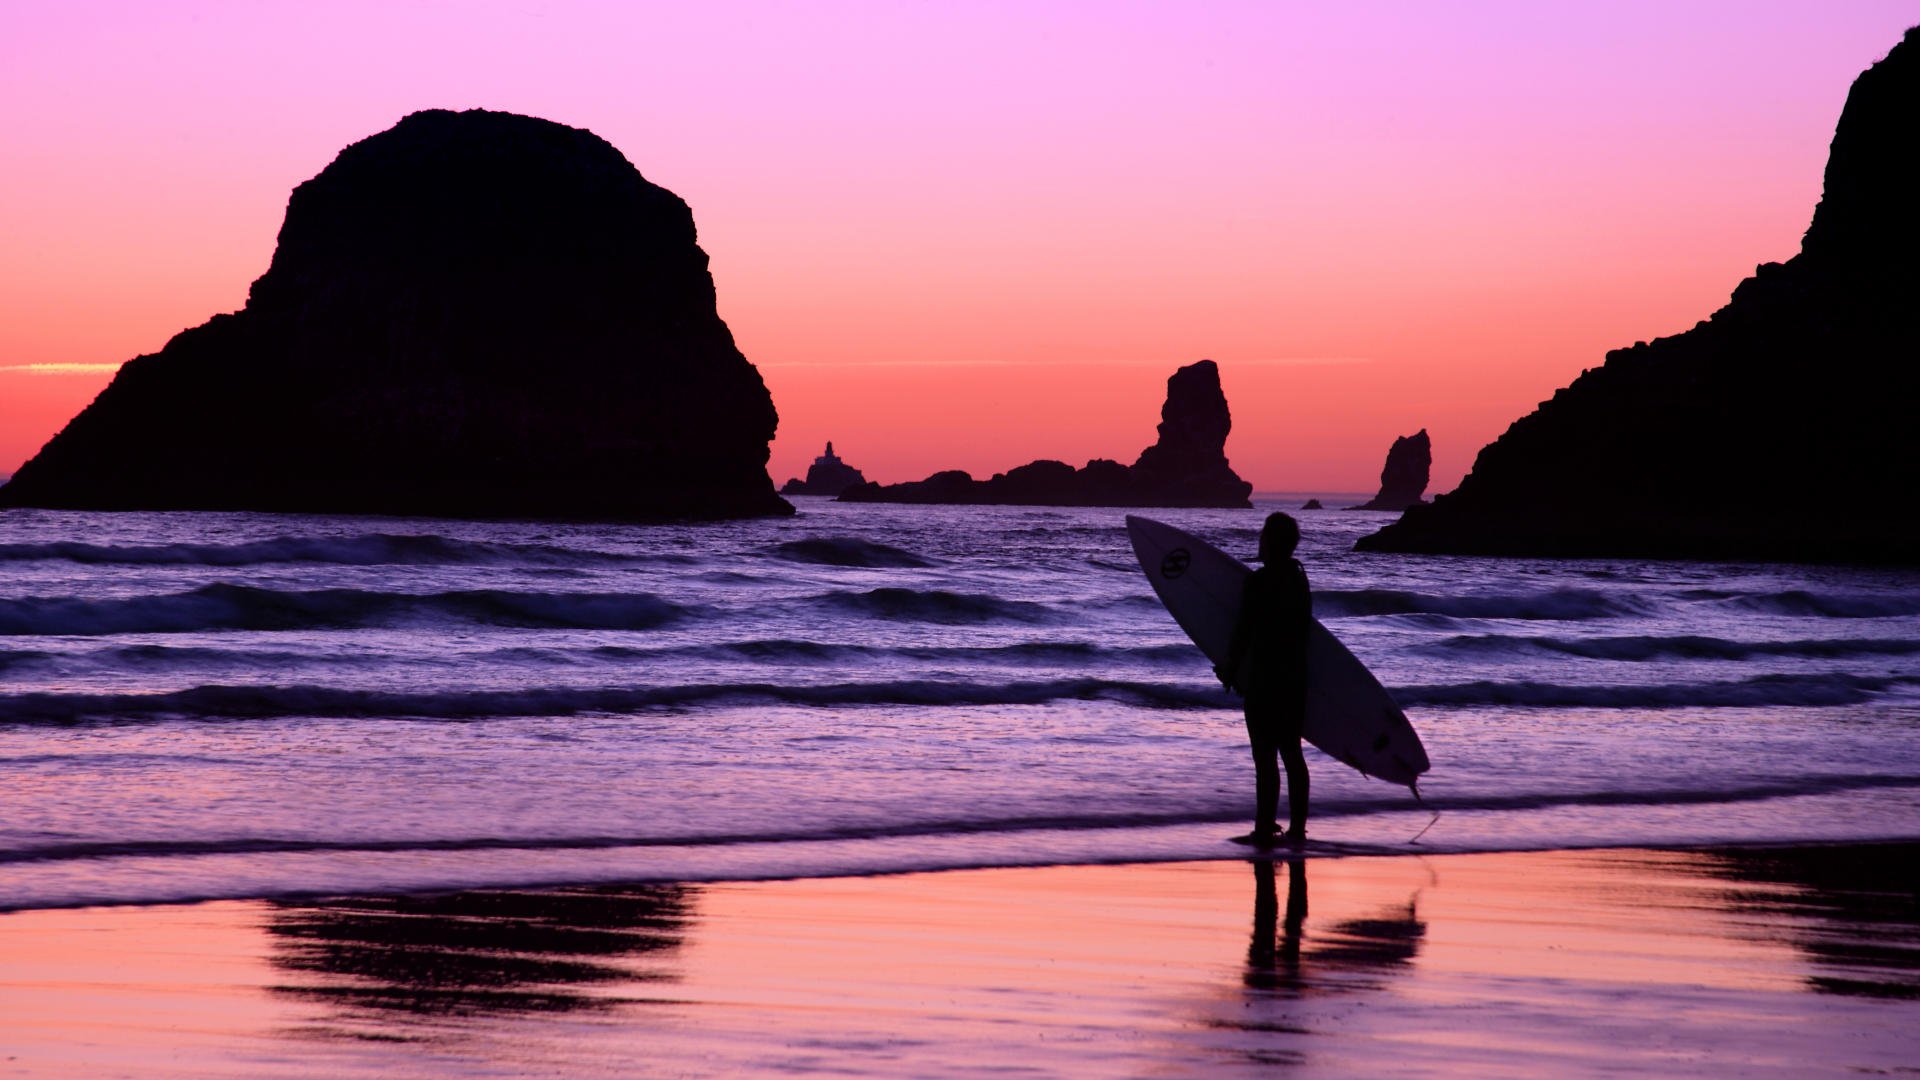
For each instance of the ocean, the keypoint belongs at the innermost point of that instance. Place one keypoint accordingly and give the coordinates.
(233, 705)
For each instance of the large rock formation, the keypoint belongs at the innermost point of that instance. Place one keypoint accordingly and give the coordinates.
(1187, 466)
(470, 314)
(1781, 428)
(1403, 479)
(827, 476)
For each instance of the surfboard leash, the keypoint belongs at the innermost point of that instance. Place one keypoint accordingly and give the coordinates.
(1415, 788)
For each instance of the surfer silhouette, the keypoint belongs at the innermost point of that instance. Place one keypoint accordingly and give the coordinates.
(1269, 650)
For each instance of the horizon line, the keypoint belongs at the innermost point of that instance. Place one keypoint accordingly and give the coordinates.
(1271, 361)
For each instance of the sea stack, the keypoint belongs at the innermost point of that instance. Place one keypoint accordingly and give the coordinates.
(828, 476)
(1707, 444)
(1186, 466)
(1404, 477)
(469, 314)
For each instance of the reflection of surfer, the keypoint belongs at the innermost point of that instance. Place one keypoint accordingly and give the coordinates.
(1351, 954)
(1273, 957)
(1269, 652)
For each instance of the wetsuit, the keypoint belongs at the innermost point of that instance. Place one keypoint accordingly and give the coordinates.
(1269, 654)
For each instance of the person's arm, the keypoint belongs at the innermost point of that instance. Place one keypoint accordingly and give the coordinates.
(1242, 638)
(1299, 611)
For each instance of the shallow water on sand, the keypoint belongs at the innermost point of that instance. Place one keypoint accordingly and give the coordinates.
(202, 705)
(1750, 962)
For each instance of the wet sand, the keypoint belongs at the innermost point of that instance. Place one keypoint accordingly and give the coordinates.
(1758, 962)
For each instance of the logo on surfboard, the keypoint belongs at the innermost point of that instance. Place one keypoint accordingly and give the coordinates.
(1175, 563)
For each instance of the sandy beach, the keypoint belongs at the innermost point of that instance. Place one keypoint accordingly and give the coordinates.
(1760, 962)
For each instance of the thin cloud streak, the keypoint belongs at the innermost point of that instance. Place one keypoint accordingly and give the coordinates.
(58, 369)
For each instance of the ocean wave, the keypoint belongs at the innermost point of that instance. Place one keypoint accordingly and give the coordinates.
(246, 607)
(1554, 604)
(847, 551)
(240, 702)
(1801, 603)
(1386, 800)
(378, 549)
(935, 606)
(1683, 647)
(260, 845)
(788, 650)
(148, 657)
(1777, 690)
(796, 650)
(19, 658)
(1750, 791)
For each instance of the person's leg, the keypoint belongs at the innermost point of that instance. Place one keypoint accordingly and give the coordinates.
(1266, 770)
(1288, 740)
(1296, 762)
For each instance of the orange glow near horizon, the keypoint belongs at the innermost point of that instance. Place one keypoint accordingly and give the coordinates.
(972, 236)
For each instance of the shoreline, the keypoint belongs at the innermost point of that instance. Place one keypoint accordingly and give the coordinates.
(1768, 959)
(1321, 850)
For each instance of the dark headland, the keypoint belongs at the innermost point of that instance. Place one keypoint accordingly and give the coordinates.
(469, 314)
(1186, 466)
(1783, 427)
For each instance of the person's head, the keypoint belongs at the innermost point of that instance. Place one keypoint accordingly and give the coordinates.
(1278, 537)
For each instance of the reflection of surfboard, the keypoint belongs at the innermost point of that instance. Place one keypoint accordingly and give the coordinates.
(1349, 714)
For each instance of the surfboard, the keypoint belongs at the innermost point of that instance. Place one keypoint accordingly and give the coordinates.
(1350, 716)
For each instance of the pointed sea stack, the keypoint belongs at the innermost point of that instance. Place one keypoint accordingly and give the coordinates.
(828, 476)
(469, 314)
(1403, 479)
(1709, 444)
(1186, 466)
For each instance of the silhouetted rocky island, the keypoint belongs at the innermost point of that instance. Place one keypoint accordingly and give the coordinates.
(1784, 427)
(1187, 466)
(1403, 479)
(827, 476)
(469, 314)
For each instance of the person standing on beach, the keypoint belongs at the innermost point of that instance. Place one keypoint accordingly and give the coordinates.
(1269, 652)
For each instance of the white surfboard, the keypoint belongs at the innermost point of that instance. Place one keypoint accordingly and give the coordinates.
(1350, 715)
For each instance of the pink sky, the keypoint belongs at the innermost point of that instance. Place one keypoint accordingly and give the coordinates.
(970, 234)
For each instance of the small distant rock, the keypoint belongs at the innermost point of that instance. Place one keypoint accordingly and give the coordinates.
(1404, 478)
(1312, 504)
(828, 476)
(1186, 466)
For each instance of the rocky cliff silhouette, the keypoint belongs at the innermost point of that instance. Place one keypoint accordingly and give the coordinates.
(469, 314)
(1783, 427)
(1186, 466)
(1403, 479)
